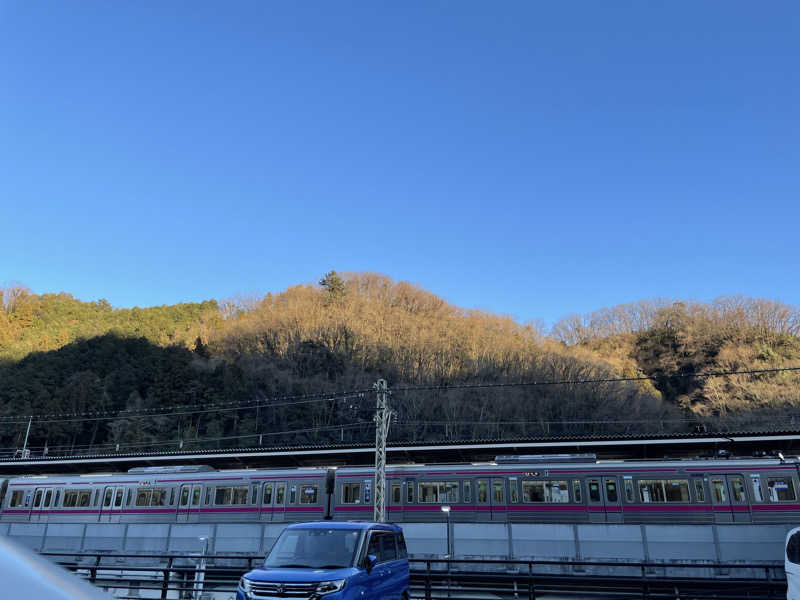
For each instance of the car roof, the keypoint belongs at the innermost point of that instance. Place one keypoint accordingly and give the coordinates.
(358, 525)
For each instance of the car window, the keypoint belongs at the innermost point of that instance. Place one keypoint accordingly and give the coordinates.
(388, 547)
(374, 547)
(382, 545)
(402, 552)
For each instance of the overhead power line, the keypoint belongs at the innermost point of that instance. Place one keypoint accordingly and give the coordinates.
(463, 386)
(258, 403)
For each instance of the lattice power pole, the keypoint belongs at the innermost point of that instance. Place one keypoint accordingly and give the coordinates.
(383, 417)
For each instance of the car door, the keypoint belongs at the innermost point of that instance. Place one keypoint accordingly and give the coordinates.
(792, 564)
(400, 569)
(378, 580)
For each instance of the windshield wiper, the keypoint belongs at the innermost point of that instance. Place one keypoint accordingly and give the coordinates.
(294, 567)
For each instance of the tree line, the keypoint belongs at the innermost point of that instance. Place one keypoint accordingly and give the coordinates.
(217, 373)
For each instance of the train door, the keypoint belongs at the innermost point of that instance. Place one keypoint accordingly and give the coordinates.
(267, 500)
(729, 497)
(197, 495)
(36, 505)
(498, 500)
(112, 504)
(408, 499)
(279, 506)
(613, 501)
(596, 503)
(483, 507)
(183, 503)
(721, 499)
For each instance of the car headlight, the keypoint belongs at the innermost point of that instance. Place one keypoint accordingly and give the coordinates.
(328, 587)
(244, 584)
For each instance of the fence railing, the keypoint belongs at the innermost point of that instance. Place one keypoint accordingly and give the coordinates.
(196, 576)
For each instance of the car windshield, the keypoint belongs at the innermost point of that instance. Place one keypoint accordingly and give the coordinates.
(314, 549)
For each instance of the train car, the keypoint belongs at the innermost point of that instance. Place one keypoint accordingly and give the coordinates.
(526, 489)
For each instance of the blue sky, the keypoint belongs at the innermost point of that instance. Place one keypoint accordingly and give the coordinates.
(529, 158)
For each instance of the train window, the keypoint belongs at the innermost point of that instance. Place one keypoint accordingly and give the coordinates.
(351, 493)
(267, 494)
(396, 493)
(143, 497)
(699, 490)
(545, 491)
(737, 490)
(513, 491)
(16, 498)
(497, 492)
(280, 493)
(58, 497)
(129, 496)
(48, 495)
(308, 494)
(755, 481)
(611, 490)
(198, 491)
(431, 492)
(118, 498)
(159, 497)
(629, 490)
(718, 490)
(410, 492)
(255, 494)
(37, 499)
(96, 498)
(171, 496)
(230, 495)
(576, 490)
(467, 491)
(780, 489)
(594, 490)
(108, 497)
(84, 498)
(185, 496)
(70, 498)
(661, 490)
(208, 496)
(293, 495)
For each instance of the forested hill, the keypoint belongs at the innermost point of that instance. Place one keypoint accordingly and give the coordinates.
(216, 374)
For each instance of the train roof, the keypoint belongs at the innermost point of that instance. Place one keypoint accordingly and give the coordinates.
(505, 466)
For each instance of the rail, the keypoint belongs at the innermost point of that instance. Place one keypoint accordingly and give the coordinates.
(190, 576)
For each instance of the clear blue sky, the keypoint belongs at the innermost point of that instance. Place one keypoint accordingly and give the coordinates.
(530, 158)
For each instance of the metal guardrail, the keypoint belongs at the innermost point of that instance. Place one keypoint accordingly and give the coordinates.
(195, 576)
(458, 579)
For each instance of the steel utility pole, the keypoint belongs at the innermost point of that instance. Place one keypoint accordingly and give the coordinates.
(382, 419)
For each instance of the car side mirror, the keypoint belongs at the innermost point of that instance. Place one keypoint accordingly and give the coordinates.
(370, 561)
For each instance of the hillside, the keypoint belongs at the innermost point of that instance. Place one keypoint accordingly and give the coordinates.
(209, 373)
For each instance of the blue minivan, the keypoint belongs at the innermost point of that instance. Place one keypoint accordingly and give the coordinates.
(334, 561)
